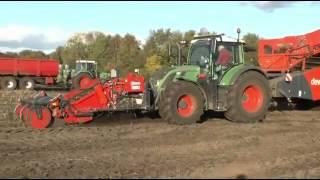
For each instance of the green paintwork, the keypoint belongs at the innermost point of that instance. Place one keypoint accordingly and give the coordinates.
(187, 72)
(231, 75)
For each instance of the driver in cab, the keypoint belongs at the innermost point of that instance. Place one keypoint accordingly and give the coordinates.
(224, 57)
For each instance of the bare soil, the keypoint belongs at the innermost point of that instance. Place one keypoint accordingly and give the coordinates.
(285, 145)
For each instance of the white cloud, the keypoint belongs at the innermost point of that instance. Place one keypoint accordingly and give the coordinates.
(17, 50)
(269, 6)
(17, 37)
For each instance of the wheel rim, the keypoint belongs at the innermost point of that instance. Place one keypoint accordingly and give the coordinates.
(252, 98)
(10, 84)
(185, 105)
(28, 85)
(39, 123)
(84, 82)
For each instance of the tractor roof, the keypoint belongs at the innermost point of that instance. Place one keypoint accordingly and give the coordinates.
(224, 38)
(86, 61)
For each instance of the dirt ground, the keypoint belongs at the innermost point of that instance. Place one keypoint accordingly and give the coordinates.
(286, 145)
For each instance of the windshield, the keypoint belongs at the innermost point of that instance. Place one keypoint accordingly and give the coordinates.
(91, 67)
(80, 66)
(199, 52)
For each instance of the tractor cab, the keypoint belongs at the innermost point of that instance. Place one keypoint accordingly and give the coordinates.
(215, 54)
(87, 66)
(85, 71)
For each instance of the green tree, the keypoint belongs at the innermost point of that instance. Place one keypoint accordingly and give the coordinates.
(130, 54)
(152, 64)
(57, 54)
(33, 54)
(251, 56)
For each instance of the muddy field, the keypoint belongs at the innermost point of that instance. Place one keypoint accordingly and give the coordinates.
(286, 145)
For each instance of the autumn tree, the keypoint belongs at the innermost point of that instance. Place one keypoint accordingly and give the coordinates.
(251, 40)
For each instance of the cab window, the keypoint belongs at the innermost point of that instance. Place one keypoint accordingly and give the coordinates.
(200, 52)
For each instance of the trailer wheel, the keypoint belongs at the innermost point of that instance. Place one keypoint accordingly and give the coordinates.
(9, 83)
(26, 83)
(81, 80)
(183, 103)
(249, 98)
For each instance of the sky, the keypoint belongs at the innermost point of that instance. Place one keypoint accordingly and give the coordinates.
(47, 25)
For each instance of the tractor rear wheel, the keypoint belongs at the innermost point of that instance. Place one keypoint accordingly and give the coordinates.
(249, 98)
(182, 103)
(81, 80)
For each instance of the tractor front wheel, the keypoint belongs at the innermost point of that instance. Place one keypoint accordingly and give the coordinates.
(182, 103)
(248, 98)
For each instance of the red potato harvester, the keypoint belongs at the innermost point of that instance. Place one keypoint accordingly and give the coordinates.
(80, 105)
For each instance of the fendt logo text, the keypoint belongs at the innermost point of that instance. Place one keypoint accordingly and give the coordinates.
(315, 82)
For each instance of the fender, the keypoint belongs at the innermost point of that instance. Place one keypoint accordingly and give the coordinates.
(182, 73)
(230, 77)
(87, 72)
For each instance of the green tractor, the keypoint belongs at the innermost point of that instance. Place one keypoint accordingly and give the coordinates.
(214, 77)
(86, 70)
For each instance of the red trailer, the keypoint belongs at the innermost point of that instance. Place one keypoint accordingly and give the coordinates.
(24, 73)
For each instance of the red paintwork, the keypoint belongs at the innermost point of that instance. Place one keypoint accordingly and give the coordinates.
(100, 97)
(29, 67)
(299, 48)
(41, 123)
(49, 80)
(82, 103)
(313, 78)
(189, 105)
(252, 99)
(133, 83)
(24, 113)
(84, 82)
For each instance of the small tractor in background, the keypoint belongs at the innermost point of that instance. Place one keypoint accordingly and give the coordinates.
(208, 80)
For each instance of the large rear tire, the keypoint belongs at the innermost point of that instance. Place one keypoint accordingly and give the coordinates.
(9, 83)
(182, 103)
(249, 98)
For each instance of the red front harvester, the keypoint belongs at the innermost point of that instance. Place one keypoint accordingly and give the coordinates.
(80, 105)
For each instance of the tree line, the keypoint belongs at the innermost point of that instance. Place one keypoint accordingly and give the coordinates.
(125, 52)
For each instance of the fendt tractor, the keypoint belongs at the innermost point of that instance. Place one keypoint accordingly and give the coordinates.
(214, 77)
